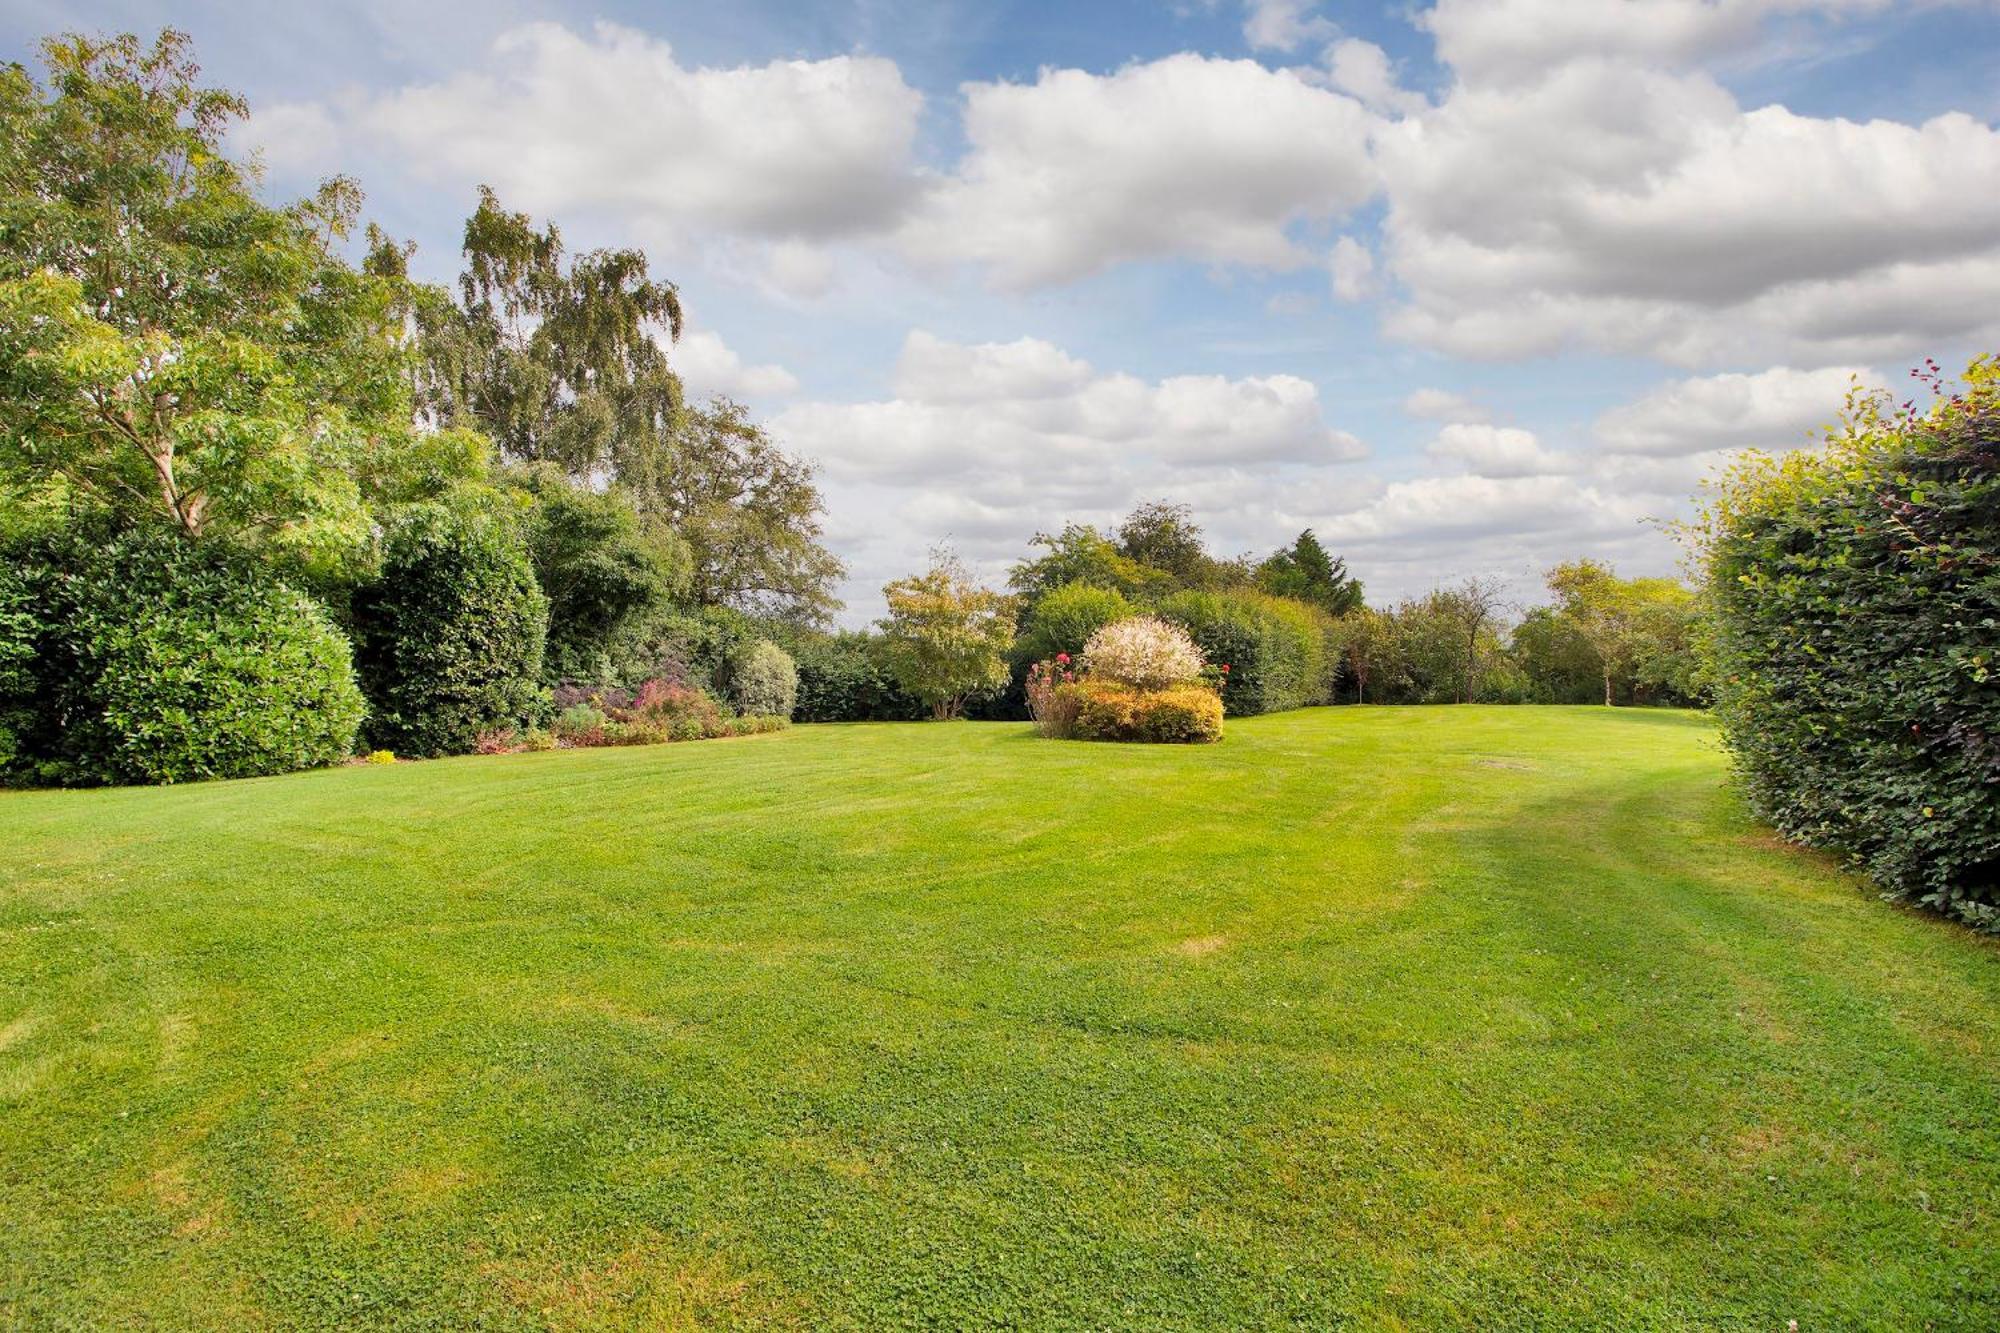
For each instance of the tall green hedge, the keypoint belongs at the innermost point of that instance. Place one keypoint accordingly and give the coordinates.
(842, 679)
(450, 637)
(1856, 644)
(153, 658)
(1275, 648)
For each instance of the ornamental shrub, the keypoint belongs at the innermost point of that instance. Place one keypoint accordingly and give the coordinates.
(1275, 648)
(450, 637)
(1111, 711)
(1145, 653)
(764, 681)
(156, 658)
(1051, 703)
(1855, 637)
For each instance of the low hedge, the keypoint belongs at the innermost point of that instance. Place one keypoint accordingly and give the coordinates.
(1855, 598)
(1275, 648)
(1181, 714)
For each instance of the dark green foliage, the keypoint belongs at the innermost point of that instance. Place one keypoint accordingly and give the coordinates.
(1856, 626)
(601, 571)
(157, 659)
(842, 679)
(451, 636)
(1305, 572)
(700, 646)
(21, 634)
(1275, 648)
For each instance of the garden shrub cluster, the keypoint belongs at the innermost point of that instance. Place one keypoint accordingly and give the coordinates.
(842, 678)
(656, 712)
(146, 658)
(1139, 679)
(1856, 642)
(247, 482)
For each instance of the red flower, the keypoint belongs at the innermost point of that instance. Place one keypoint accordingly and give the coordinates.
(1225, 668)
(1063, 658)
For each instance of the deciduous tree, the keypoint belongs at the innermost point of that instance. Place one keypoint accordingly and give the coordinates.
(946, 637)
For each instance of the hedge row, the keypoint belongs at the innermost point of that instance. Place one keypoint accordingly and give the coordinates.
(1275, 648)
(1856, 597)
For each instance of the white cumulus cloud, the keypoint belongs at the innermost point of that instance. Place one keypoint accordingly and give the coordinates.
(1775, 409)
(1184, 157)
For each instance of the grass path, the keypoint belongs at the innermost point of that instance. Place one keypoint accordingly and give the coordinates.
(1383, 1018)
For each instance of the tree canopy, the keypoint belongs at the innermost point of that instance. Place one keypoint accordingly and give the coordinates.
(174, 350)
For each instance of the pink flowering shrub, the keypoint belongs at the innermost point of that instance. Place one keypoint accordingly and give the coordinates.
(1051, 702)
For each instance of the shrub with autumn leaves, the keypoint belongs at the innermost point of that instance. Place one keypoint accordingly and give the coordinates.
(1138, 680)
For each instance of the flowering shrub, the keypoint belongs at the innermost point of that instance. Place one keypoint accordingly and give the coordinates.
(380, 757)
(1050, 702)
(496, 740)
(1145, 653)
(658, 711)
(1112, 711)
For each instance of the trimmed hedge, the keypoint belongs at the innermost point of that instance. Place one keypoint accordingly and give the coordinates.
(450, 637)
(1275, 648)
(1856, 644)
(1108, 711)
(157, 659)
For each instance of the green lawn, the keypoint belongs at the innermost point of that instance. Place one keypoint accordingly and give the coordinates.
(1383, 1018)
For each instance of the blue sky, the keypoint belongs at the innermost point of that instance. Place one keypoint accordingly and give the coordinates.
(1467, 286)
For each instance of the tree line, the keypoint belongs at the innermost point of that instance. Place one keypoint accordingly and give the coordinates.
(446, 499)
(1294, 625)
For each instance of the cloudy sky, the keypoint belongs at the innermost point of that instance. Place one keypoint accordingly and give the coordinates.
(1468, 286)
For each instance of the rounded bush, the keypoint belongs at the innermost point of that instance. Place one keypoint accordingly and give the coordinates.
(160, 659)
(1065, 617)
(1110, 711)
(765, 682)
(451, 634)
(1145, 653)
